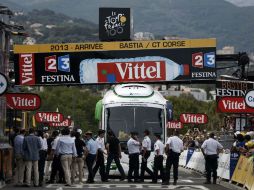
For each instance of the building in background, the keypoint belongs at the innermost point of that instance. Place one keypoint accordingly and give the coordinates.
(198, 93)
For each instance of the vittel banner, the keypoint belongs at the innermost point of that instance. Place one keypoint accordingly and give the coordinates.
(230, 96)
(115, 62)
(49, 117)
(175, 125)
(23, 101)
(190, 118)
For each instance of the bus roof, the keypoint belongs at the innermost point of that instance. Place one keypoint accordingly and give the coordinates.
(133, 93)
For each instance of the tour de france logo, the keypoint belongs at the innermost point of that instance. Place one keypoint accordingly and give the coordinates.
(115, 23)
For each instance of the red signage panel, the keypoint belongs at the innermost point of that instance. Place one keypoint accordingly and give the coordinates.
(190, 118)
(49, 117)
(131, 71)
(175, 125)
(26, 69)
(233, 105)
(64, 123)
(23, 101)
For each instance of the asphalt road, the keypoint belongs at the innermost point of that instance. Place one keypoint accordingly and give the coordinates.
(188, 180)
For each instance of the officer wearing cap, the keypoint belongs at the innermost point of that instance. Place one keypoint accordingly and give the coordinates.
(92, 148)
(100, 155)
(146, 151)
(174, 147)
(210, 149)
(134, 150)
(158, 158)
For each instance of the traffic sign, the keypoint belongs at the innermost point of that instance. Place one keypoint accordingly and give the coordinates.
(3, 83)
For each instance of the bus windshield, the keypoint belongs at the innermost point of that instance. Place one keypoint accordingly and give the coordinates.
(123, 120)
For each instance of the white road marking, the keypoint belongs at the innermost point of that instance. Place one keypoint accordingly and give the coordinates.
(131, 186)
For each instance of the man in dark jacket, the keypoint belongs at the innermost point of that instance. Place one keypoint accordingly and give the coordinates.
(31, 147)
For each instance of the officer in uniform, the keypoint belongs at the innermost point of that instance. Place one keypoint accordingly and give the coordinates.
(174, 147)
(100, 156)
(146, 151)
(92, 148)
(134, 150)
(158, 158)
(210, 149)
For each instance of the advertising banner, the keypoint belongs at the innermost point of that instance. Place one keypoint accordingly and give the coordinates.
(49, 117)
(230, 96)
(190, 118)
(115, 62)
(23, 101)
(65, 123)
(175, 125)
(115, 24)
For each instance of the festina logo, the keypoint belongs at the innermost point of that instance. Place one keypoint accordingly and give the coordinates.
(131, 71)
(193, 118)
(48, 117)
(26, 69)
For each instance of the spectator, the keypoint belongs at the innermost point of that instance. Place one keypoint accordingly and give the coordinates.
(79, 161)
(19, 158)
(43, 155)
(66, 149)
(31, 147)
(114, 153)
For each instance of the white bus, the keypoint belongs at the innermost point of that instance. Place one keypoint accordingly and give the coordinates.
(133, 107)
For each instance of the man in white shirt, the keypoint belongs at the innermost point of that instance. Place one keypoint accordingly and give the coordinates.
(100, 155)
(66, 149)
(174, 147)
(158, 158)
(134, 150)
(210, 149)
(146, 151)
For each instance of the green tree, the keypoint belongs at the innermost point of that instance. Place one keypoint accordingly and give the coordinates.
(79, 103)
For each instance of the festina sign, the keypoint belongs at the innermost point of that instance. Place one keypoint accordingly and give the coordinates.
(175, 125)
(49, 117)
(65, 123)
(23, 101)
(233, 105)
(115, 62)
(190, 118)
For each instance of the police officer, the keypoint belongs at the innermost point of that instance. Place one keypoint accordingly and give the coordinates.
(210, 149)
(100, 155)
(134, 150)
(174, 147)
(92, 148)
(146, 151)
(158, 158)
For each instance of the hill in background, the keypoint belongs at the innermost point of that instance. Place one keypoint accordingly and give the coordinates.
(230, 24)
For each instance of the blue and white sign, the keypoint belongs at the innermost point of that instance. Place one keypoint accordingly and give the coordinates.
(210, 59)
(3, 83)
(249, 99)
(64, 63)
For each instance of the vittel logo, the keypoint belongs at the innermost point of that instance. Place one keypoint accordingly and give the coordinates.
(131, 71)
(26, 71)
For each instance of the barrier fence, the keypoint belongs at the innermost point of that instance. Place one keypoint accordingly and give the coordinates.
(230, 166)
